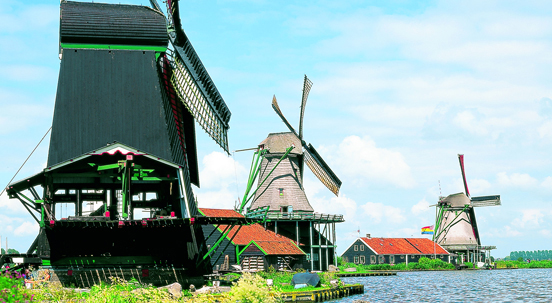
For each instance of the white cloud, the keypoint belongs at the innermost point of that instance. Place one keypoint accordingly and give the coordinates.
(547, 183)
(516, 180)
(478, 186)
(420, 207)
(359, 158)
(219, 180)
(379, 212)
(26, 228)
(341, 205)
(220, 170)
(11, 204)
(531, 218)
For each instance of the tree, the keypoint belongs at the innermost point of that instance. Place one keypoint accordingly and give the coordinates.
(3, 251)
(520, 259)
(12, 251)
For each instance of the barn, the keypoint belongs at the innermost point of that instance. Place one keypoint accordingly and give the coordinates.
(252, 246)
(368, 250)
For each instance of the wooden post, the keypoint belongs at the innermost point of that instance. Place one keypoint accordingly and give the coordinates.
(297, 232)
(311, 250)
(320, 244)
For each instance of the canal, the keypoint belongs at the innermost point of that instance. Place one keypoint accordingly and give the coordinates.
(511, 285)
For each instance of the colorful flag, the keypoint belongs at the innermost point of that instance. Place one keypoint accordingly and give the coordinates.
(427, 230)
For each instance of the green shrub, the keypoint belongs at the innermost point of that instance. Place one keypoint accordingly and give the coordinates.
(469, 264)
(12, 288)
(251, 288)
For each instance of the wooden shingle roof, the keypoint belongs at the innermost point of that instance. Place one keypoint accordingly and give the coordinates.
(279, 247)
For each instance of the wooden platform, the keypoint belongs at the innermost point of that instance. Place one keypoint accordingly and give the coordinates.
(365, 274)
(323, 294)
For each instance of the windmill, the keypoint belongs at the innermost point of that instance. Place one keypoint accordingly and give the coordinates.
(130, 90)
(280, 194)
(456, 225)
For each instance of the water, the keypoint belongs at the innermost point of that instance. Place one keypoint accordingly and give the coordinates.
(512, 285)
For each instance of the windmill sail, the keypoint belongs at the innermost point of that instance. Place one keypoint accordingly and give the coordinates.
(485, 201)
(461, 159)
(194, 85)
(279, 112)
(307, 84)
(321, 170)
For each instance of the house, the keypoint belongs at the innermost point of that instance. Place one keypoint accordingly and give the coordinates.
(252, 246)
(368, 250)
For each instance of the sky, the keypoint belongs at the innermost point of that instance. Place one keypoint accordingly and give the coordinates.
(400, 88)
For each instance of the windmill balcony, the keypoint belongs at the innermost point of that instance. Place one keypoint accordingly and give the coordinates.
(304, 216)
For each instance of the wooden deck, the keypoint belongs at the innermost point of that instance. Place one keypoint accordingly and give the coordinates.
(365, 274)
(323, 294)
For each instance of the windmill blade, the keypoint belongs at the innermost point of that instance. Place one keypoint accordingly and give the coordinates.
(279, 112)
(486, 201)
(307, 84)
(461, 160)
(193, 84)
(321, 170)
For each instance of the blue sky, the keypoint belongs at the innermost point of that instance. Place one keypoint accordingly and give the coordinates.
(400, 88)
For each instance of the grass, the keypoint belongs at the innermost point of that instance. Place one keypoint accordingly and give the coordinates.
(246, 288)
(423, 264)
(523, 264)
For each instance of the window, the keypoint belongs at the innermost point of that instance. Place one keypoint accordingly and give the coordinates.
(346, 259)
(372, 259)
(392, 259)
(315, 257)
(402, 257)
(362, 248)
(281, 192)
(362, 259)
(356, 247)
(356, 259)
(381, 259)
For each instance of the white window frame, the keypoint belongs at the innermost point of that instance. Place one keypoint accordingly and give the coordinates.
(372, 259)
(362, 259)
(361, 247)
(356, 247)
(356, 259)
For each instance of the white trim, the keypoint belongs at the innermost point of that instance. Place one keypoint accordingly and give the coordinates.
(112, 149)
(362, 240)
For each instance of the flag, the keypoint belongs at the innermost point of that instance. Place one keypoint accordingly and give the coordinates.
(427, 230)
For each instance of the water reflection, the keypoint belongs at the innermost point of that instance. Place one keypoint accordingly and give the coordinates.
(513, 285)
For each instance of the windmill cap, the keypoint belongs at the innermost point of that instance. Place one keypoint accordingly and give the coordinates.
(457, 200)
(279, 142)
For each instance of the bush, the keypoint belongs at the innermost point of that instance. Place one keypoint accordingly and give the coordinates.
(12, 288)
(469, 264)
(251, 289)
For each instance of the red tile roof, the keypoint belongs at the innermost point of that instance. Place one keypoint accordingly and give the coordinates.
(390, 246)
(426, 246)
(279, 247)
(220, 213)
(271, 243)
(253, 232)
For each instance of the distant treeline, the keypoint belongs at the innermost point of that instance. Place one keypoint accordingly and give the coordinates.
(531, 255)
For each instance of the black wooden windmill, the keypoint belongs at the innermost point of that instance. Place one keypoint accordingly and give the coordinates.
(280, 193)
(456, 227)
(122, 153)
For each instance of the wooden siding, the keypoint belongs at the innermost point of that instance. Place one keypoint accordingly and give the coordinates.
(287, 176)
(105, 96)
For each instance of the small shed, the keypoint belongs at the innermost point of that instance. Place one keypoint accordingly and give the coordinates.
(281, 255)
